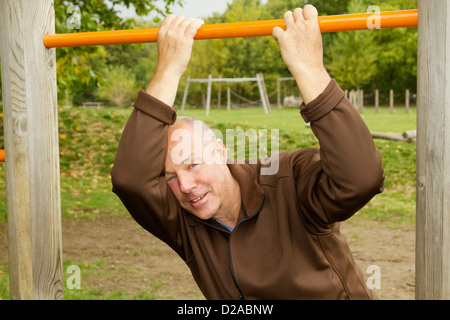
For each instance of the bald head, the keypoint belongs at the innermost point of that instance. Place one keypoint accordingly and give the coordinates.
(196, 128)
(192, 140)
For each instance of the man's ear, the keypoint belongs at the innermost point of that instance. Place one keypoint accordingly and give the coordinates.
(221, 151)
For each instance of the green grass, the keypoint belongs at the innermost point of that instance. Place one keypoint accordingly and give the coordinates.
(290, 119)
(89, 140)
(92, 270)
(96, 270)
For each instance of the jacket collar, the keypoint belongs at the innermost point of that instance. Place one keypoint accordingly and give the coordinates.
(252, 195)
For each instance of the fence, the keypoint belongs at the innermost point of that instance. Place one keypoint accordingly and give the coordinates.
(361, 99)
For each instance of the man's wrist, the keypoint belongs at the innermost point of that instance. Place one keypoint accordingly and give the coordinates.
(164, 86)
(312, 83)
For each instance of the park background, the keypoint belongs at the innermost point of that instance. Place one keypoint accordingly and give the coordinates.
(120, 261)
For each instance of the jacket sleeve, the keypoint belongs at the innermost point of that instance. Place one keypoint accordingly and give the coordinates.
(139, 170)
(347, 172)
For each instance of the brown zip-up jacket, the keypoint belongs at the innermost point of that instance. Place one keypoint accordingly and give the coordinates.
(287, 243)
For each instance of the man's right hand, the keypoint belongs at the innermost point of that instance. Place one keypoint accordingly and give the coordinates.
(302, 51)
(175, 40)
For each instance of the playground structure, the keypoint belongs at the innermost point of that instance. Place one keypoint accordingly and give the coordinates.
(32, 155)
(259, 80)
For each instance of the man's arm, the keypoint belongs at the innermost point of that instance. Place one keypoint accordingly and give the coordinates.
(138, 171)
(175, 40)
(347, 172)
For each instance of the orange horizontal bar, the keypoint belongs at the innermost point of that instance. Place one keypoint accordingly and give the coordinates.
(2, 155)
(347, 22)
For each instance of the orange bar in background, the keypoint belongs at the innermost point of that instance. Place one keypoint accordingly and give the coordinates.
(347, 22)
(2, 155)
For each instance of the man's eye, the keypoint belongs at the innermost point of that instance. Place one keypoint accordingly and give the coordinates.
(170, 178)
(193, 165)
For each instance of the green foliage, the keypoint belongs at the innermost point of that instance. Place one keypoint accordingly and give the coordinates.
(351, 54)
(375, 59)
(119, 87)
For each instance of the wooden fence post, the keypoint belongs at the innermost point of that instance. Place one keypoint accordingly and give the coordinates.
(377, 101)
(219, 93)
(433, 151)
(391, 101)
(407, 93)
(279, 93)
(228, 98)
(32, 152)
(185, 94)
(361, 100)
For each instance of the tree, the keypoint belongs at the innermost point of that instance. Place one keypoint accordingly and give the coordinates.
(352, 55)
(119, 87)
(397, 53)
(375, 59)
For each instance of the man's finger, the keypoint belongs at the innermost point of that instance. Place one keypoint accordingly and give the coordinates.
(276, 33)
(298, 15)
(183, 25)
(288, 19)
(167, 20)
(178, 21)
(310, 12)
(193, 26)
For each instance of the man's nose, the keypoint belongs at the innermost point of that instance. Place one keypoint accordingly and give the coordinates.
(186, 182)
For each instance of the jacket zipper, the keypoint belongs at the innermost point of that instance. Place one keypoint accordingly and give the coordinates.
(221, 228)
(233, 275)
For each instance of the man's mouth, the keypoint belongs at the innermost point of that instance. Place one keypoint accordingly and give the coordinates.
(198, 199)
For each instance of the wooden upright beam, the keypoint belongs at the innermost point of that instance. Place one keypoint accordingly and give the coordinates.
(31, 145)
(433, 151)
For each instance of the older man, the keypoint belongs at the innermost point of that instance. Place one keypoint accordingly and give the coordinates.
(244, 234)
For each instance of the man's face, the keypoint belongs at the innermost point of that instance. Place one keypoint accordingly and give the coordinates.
(196, 173)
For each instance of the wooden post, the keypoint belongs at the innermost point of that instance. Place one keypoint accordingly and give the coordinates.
(391, 100)
(32, 155)
(208, 95)
(377, 101)
(407, 101)
(278, 93)
(361, 100)
(219, 94)
(228, 98)
(433, 151)
(186, 90)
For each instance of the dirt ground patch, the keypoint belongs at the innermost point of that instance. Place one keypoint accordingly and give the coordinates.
(134, 260)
